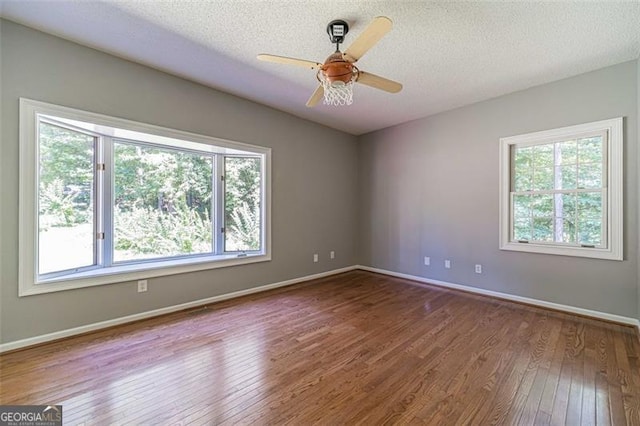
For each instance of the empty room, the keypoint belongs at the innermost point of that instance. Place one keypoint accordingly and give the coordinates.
(319, 212)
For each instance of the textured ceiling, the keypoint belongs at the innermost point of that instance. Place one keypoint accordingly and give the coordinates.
(446, 54)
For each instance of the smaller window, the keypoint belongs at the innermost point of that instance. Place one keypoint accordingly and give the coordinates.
(561, 191)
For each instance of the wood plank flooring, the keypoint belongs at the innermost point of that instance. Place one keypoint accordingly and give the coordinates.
(355, 348)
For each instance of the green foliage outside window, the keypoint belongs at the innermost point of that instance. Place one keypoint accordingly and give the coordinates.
(162, 200)
(242, 203)
(66, 177)
(558, 192)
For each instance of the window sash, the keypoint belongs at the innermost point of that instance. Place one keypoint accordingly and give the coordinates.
(603, 134)
(554, 217)
(96, 247)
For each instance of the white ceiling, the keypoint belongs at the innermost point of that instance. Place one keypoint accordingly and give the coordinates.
(447, 54)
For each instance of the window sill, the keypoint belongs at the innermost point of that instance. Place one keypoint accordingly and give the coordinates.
(132, 272)
(594, 253)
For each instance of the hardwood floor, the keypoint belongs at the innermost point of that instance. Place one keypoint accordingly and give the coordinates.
(355, 348)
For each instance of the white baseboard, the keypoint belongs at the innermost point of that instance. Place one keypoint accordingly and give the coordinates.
(156, 312)
(536, 302)
(18, 344)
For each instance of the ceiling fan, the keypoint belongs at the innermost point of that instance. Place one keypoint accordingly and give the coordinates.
(338, 72)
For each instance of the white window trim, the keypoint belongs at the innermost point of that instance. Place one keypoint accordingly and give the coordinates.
(28, 193)
(614, 219)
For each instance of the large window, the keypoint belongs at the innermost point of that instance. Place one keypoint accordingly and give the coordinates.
(561, 191)
(106, 200)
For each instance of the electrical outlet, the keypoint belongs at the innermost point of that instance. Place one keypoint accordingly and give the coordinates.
(427, 261)
(315, 258)
(478, 269)
(447, 264)
(142, 286)
(332, 254)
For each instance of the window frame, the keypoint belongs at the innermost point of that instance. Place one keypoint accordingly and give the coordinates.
(29, 283)
(612, 248)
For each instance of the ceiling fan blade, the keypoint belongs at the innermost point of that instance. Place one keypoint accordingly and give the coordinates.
(316, 97)
(371, 35)
(378, 82)
(289, 61)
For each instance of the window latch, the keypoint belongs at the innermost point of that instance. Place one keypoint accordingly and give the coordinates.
(587, 245)
(523, 241)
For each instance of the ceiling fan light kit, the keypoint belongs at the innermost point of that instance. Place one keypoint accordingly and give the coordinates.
(338, 73)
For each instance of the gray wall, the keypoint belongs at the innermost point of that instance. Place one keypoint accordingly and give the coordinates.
(430, 188)
(425, 188)
(314, 179)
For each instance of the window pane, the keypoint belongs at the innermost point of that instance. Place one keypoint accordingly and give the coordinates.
(523, 158)
(162, 202)
(566, 177)
(590, 150)
(590, 232)
(568, 152)
(565, 210)
(524, 181)
(242, 209)
(523, 162)
(521, 206)
(543, 178)
(542, 229)
(590, 218)
(589, 205)
(566, 207)
(66, 231)
(543, 156)
(565, 230)
(542, 205)
(522, 229)
(590, 175)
